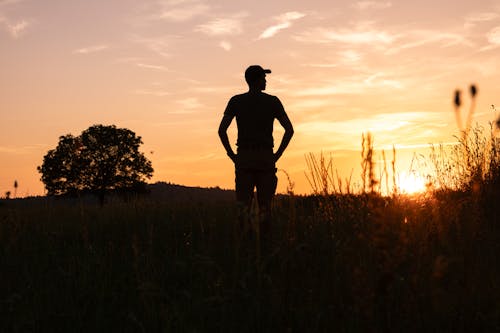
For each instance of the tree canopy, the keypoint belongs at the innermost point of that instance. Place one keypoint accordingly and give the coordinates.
(102, 158)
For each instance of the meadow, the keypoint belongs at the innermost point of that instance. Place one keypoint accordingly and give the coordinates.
(335, 261)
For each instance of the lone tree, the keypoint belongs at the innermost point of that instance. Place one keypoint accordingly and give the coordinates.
(102, 158)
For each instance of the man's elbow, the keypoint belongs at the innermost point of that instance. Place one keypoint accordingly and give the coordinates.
(290, 131)
(221, 132)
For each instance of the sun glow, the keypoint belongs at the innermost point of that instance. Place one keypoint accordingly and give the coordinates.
(411, 183)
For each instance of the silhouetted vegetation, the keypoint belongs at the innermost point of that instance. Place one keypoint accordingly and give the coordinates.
(101, 159)
(335, 261)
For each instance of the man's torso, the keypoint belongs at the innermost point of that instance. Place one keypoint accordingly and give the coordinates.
(255, 113)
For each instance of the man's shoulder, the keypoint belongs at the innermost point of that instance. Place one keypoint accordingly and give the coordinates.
(261, 95)
(272, 100)
(238, 97)
(249, 98)
(270, 97)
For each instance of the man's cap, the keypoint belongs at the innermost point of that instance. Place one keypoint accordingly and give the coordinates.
(255, 72)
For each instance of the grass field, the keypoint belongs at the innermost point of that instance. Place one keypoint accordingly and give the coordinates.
(333, 263)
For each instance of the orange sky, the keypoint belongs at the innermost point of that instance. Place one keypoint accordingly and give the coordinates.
(166, 69)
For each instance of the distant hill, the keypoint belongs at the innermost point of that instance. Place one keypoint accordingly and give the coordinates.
(180, 193)
(161, 191)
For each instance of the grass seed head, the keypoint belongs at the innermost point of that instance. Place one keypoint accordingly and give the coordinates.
(457, 101)
(473, 90)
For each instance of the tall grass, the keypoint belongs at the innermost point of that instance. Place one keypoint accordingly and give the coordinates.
(341, 260)
(352, 262)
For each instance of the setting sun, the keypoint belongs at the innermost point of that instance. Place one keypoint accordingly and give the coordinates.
(411, 183)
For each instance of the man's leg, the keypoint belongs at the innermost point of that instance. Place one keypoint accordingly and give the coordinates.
(266, 188)
(245, 183)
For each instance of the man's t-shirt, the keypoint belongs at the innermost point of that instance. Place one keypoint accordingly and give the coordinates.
(255, 113)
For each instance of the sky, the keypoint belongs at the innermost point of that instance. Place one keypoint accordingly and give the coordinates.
(165, 69)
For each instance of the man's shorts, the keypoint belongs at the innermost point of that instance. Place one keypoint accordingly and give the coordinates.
(255, 169)
(265, 181)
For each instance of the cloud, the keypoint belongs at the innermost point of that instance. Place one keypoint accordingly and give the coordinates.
(376, 123)
(347, 36)
(355, 85)
(223, 26)
(284, 21)
(190, 158)
(365, 33)
(157, 93)
(321, 65)
(17, 29)
(494, 36)
(350, 56)
(23, 150)
(184, 13)
(91, 49)
(159, 45)
(189, 103)
(418, 38)
(153, 67)
(308, 104)
(377, 80)
(226, 45)
(331, 89)
(212, 89)
(364, 5)
(472, 19)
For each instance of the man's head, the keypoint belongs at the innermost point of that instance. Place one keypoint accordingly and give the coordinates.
(255, 76)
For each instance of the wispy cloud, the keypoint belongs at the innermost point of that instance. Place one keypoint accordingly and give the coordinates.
(364, 5)
(223, 26)
(23, 150)
(185, 13)
(308, 104)
(354, 85)
(15, 27)
(347, 36)
(376, 123)
(493, 37)
(379, 80)
(157, 93)
(91, 49)
(473, 19)
(321, 65)
(226, 45)
(190, 158)
(411, 39)
(189, 103)
(343, 88)
(153, 67)
(211, 89)
(284, 21)
(393, 40)
(350, 56)
(161, 45)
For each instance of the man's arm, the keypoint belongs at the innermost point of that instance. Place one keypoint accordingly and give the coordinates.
(224, 125)
(287, 125)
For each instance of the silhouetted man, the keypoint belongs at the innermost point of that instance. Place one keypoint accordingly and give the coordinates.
(255, 160)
